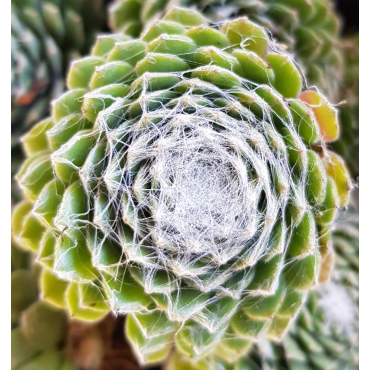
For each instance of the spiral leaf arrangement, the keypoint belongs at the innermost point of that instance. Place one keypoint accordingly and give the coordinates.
(184, 180)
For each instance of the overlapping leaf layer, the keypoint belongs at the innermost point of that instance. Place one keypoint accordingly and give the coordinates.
(310, 29)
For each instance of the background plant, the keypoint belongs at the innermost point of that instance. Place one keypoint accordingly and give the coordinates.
(45, 36)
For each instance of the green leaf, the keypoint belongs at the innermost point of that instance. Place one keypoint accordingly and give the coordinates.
(287, 80)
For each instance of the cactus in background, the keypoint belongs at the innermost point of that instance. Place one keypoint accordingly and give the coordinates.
(309, 29)
(184, 179)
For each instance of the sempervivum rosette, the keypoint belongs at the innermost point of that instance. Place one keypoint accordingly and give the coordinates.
(184, 179)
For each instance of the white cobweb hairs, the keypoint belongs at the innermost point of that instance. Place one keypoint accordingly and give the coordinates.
(188, 189)
(196, 187)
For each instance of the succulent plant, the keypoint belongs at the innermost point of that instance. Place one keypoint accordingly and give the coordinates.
(184, 180)
(45, 35)
(310, 29)
(325, 334)
(38, 329)
(34, 60)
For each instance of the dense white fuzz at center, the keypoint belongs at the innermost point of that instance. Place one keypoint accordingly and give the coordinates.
(204, 197)
(191, 184)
